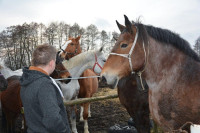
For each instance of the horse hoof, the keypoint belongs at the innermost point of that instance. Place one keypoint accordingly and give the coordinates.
(81, 119)
(131, 122)
(75, 131)
(86, 131)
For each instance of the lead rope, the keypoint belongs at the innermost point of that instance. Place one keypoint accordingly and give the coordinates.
(180, 130)
(146, 59)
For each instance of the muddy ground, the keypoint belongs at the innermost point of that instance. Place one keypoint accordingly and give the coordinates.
(104, 114)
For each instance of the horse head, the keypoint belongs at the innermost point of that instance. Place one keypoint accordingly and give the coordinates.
(127, 56)
(70, 48)
(60, 71)
(99, 60)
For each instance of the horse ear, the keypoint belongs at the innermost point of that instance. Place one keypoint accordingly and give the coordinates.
(121, 27)
(78, 38)
(115, 38)
(88, 48)
(69, 38)
(128, 24)
(101, 49)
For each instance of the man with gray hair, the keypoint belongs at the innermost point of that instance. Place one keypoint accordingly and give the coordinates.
(43, 104)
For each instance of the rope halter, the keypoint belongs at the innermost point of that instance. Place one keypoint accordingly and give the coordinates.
(129, 54)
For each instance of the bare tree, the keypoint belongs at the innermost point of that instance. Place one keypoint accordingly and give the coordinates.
(66, 31)
(197, 46)
(41, 29)
(17, 42)
(74, 31)
(61, 33)
(104, 38)
(92, 35)
(51, 33)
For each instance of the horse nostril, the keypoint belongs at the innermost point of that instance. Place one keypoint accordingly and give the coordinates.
(103, 79)
(68, 80)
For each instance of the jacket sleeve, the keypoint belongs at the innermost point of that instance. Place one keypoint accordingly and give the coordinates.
(52, 119)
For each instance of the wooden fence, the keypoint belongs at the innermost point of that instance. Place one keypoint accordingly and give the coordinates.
(92, 99)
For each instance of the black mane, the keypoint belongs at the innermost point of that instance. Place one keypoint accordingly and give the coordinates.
(168, 37)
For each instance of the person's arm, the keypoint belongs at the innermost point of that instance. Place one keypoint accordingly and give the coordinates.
(52, 119)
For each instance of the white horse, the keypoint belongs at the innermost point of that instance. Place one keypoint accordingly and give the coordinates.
(7, 72)
(76, 66)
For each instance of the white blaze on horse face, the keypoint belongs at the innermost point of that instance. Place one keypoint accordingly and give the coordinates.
(64, 46)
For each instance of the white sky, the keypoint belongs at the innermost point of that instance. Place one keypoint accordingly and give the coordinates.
(180, 16)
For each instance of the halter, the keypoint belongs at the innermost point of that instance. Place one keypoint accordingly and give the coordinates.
(72, 54)
(60, 71)
(128, 56)
(96, 63)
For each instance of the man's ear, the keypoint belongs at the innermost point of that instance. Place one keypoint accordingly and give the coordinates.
(51, 62)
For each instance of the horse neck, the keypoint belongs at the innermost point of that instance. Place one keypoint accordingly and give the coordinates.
(165, 64)
(78, 64)
(6, 72)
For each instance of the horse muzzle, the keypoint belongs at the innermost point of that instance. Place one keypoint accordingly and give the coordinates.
(68, 80)
(110, 81)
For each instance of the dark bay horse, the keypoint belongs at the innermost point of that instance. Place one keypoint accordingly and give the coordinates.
(169, 66)
(11, 104)
(135, 100)
(88, 86)
(11, 101)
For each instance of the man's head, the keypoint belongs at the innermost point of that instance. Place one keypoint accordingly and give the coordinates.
(44, 56)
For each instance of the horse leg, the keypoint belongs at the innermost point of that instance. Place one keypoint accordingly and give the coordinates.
(4, 122)
(81, 112)
(85, 117)
(142, 122)
(8, 123)
(13, 126)
(89, 111)
(73, 119)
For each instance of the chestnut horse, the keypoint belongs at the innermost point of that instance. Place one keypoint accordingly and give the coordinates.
(77, 65)
(10, 98)
(88, 86)
(169, 66)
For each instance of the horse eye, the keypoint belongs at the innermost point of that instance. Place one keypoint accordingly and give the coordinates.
(104, 60)
(124, 45)
(71, 44)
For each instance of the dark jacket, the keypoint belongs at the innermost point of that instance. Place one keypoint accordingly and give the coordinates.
(43, 105)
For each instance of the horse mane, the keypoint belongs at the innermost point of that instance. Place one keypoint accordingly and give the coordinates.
(167, 37)
(76, 60)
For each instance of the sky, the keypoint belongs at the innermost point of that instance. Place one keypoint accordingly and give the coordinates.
(179, 16)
